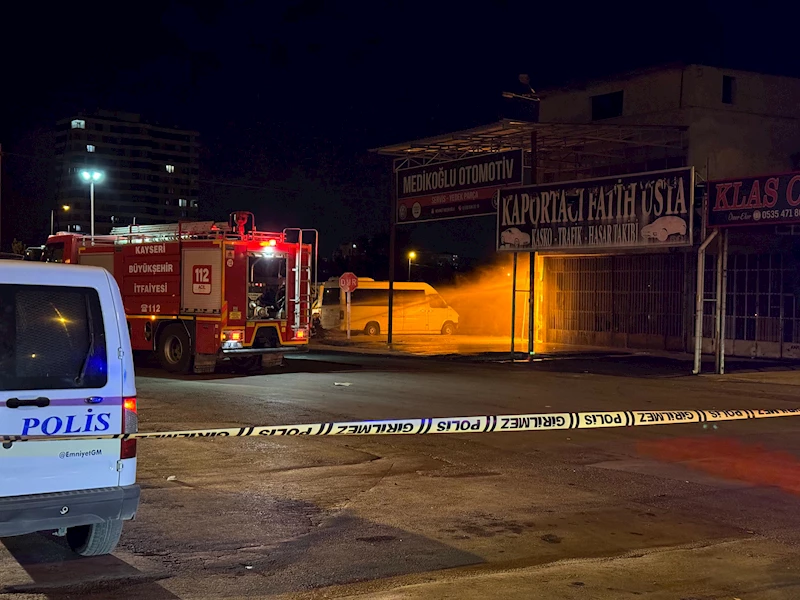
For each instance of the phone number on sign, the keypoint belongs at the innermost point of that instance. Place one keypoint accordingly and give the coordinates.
(766, 215)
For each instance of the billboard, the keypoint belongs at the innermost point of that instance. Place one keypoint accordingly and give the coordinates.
(765, 200)
(642, 210)
(456, 188)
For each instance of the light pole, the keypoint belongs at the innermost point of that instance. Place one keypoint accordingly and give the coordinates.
(65, 208)
(411, 256)
(91, 177)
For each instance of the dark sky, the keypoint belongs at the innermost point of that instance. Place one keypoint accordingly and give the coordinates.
(288, 96)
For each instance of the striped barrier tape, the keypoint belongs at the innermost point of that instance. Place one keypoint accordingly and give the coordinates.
(480, 424)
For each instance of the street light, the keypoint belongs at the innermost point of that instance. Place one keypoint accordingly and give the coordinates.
(65, 208)
(91, 177)
(411, 256)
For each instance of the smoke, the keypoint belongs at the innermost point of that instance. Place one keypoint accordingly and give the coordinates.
(483, 298)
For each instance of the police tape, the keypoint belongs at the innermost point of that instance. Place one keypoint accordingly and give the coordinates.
(478, 424)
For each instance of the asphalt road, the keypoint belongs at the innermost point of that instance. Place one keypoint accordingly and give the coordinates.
(678, 512)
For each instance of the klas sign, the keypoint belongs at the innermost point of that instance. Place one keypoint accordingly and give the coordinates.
(642, 210)
(767, 200)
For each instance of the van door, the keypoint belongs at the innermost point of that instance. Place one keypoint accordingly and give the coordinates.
(415, 311)
(60, 375)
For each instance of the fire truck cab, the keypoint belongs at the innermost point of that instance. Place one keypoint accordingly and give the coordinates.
(196, 293)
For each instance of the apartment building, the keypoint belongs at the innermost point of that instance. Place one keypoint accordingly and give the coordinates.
(146, 173)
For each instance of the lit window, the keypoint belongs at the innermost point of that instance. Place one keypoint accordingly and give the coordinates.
(170, 168)
(193, 203)
(78, 124)
(182, 202)
(90, 148)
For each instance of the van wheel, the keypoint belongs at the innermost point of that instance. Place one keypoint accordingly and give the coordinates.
(174, 349)
(372, 328)
(448, 328)
(96, 539)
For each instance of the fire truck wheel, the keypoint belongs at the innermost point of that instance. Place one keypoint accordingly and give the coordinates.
(174, 349)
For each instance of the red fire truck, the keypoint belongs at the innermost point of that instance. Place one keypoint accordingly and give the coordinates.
(199, 292)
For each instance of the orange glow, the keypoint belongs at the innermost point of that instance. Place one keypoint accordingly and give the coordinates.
(268, 243)
(236, 336)
(301, 334)
(482, 298)
(129, 404)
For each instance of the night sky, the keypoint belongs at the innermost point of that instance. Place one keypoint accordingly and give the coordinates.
(288, 96)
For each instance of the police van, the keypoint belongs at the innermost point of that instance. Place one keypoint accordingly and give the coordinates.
(66, 370)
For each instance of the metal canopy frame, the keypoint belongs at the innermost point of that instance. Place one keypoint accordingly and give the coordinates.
(552, 152)
(563, 150)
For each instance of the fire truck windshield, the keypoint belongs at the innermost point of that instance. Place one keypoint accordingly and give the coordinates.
(267, 286)
(54, 252)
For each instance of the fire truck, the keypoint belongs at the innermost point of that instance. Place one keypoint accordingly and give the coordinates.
(197, 293)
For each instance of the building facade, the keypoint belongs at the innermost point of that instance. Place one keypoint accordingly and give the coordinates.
(723, 124)
(149, 173)
(739, 124)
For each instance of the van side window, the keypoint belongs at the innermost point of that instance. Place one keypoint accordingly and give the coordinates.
(409, 297)
(436, 301)
(330, 296)
(366, 297)
(51, 337)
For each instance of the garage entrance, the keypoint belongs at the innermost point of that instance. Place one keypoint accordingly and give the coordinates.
(619, 301)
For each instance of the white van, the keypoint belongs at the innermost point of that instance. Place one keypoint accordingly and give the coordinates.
(66, 369)
(418, 308)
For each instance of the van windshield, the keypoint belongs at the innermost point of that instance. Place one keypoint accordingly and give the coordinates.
(436, 301)
(51, 337)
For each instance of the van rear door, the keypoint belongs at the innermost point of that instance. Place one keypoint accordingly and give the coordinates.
(60, 375)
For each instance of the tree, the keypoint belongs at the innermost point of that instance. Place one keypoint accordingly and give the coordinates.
(18, 247)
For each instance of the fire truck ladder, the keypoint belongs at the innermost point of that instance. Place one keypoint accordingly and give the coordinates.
(302, 279)
(172, 231)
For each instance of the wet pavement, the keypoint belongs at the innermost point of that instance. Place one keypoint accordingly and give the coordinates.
(678, 512)
(428, 345)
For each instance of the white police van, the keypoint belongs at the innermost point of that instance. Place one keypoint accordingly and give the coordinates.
(65, 370)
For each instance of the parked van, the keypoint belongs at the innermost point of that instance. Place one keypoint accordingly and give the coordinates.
(418, 308)
(65, 370)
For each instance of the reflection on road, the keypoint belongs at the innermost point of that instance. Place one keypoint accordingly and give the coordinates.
(430, 345)
(730, 459)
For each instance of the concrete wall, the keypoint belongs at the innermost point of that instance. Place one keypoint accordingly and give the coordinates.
(759, 133)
